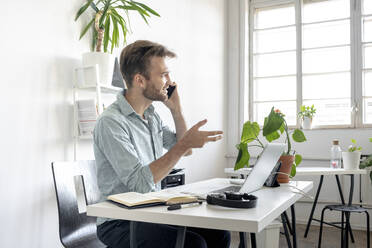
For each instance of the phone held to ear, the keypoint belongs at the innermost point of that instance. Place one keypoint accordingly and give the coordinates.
(170, 91)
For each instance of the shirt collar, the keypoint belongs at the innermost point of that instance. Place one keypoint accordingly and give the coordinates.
(127, 109)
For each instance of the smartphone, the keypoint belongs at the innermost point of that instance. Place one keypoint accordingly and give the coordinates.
(170, 91)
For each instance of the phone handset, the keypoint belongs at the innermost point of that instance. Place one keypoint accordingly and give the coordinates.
(170, 90)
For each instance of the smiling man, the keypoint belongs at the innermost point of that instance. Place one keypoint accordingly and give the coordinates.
(128, 146)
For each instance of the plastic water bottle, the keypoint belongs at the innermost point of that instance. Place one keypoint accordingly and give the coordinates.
(336, 155)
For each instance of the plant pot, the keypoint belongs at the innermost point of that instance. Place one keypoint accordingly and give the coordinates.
(287, 162)
(351, 160)
(307, 122)
(105, 62)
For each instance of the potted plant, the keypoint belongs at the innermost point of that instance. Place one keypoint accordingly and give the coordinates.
(108, 18)
(274, 126)
(306, 115)
(367, 163)
(351, 158)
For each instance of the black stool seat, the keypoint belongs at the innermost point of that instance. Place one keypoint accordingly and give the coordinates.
(346, 208)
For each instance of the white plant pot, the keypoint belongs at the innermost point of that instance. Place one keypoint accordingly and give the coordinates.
(351, 160)
(105, 62)
(306, 123)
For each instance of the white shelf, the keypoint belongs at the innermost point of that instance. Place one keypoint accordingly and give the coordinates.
(104, 88)
(87, 79)
(85, 137)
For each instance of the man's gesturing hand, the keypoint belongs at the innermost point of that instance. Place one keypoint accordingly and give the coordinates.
(194, 138)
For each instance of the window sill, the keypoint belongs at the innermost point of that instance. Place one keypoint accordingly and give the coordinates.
(316, 128)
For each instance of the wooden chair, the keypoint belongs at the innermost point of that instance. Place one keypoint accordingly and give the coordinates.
(76, 229)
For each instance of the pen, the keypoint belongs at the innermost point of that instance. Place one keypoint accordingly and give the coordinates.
(179, 205)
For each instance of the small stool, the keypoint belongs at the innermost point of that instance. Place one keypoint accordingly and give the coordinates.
(345, 210)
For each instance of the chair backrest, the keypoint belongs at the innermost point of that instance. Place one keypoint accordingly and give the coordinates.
(76, 229)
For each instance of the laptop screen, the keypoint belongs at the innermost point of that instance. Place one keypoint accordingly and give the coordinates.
(263, 167)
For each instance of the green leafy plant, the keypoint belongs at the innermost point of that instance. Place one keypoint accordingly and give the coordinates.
(274, 126)
(307, 111)
(367, 163)
(108, 17)
(354, 147)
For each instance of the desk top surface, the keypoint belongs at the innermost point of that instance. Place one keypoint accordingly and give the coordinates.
(271, 203)
(305, 171)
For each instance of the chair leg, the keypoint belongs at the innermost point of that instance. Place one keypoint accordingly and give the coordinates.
(347, 229)
(368, 233)
(181, 234)
(243, 240)
(351, 232)
(132, 233)
(321, 228)
(342, 229)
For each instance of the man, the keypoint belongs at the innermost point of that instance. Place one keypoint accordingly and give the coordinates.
(128, 145)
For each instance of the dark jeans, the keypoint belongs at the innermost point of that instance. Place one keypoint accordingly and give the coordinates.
(115, 234)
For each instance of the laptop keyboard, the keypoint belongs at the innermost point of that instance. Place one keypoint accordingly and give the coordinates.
(230, 188)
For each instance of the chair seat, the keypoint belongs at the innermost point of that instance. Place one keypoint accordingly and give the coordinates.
(90, 242)
(346, 208)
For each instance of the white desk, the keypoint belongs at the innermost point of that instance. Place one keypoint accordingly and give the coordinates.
(305, 171)
(316, 171)
(272, 202)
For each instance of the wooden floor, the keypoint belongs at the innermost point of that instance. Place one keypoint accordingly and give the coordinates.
(331, 238)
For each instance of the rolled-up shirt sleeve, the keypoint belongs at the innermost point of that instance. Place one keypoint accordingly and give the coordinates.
(115, 143)
(169, 136)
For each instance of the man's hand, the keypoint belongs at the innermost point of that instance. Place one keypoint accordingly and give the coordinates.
(194, 138)
(173, 103)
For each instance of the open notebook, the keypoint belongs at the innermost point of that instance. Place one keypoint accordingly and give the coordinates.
(138, 200)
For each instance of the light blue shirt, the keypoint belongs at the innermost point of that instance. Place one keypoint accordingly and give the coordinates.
(125, 145)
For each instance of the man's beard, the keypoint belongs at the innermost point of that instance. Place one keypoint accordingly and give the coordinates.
(153, 94)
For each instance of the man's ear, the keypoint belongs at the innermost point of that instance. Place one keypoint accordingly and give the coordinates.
(139, 81)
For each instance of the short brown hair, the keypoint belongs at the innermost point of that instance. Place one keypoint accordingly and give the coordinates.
(135, 58)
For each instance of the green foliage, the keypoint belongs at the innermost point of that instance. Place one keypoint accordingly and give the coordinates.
(274, 126)
(298, 160)
(112, 17)
(272, 136)
(298, 136)
(243, 157)
(250, 131)
(293, 170)
(307, 111)
(367, 163)
(354, 147)
(273, 122)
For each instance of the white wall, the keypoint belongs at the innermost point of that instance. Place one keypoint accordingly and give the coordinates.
(40, 47)
(197, 35)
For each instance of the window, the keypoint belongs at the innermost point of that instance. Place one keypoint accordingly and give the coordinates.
(305, 52)
(274, 63)
(367, 63)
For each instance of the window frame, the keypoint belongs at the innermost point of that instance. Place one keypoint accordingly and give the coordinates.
(356, 60)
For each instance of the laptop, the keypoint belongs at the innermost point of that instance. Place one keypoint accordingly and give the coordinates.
(261, 170)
